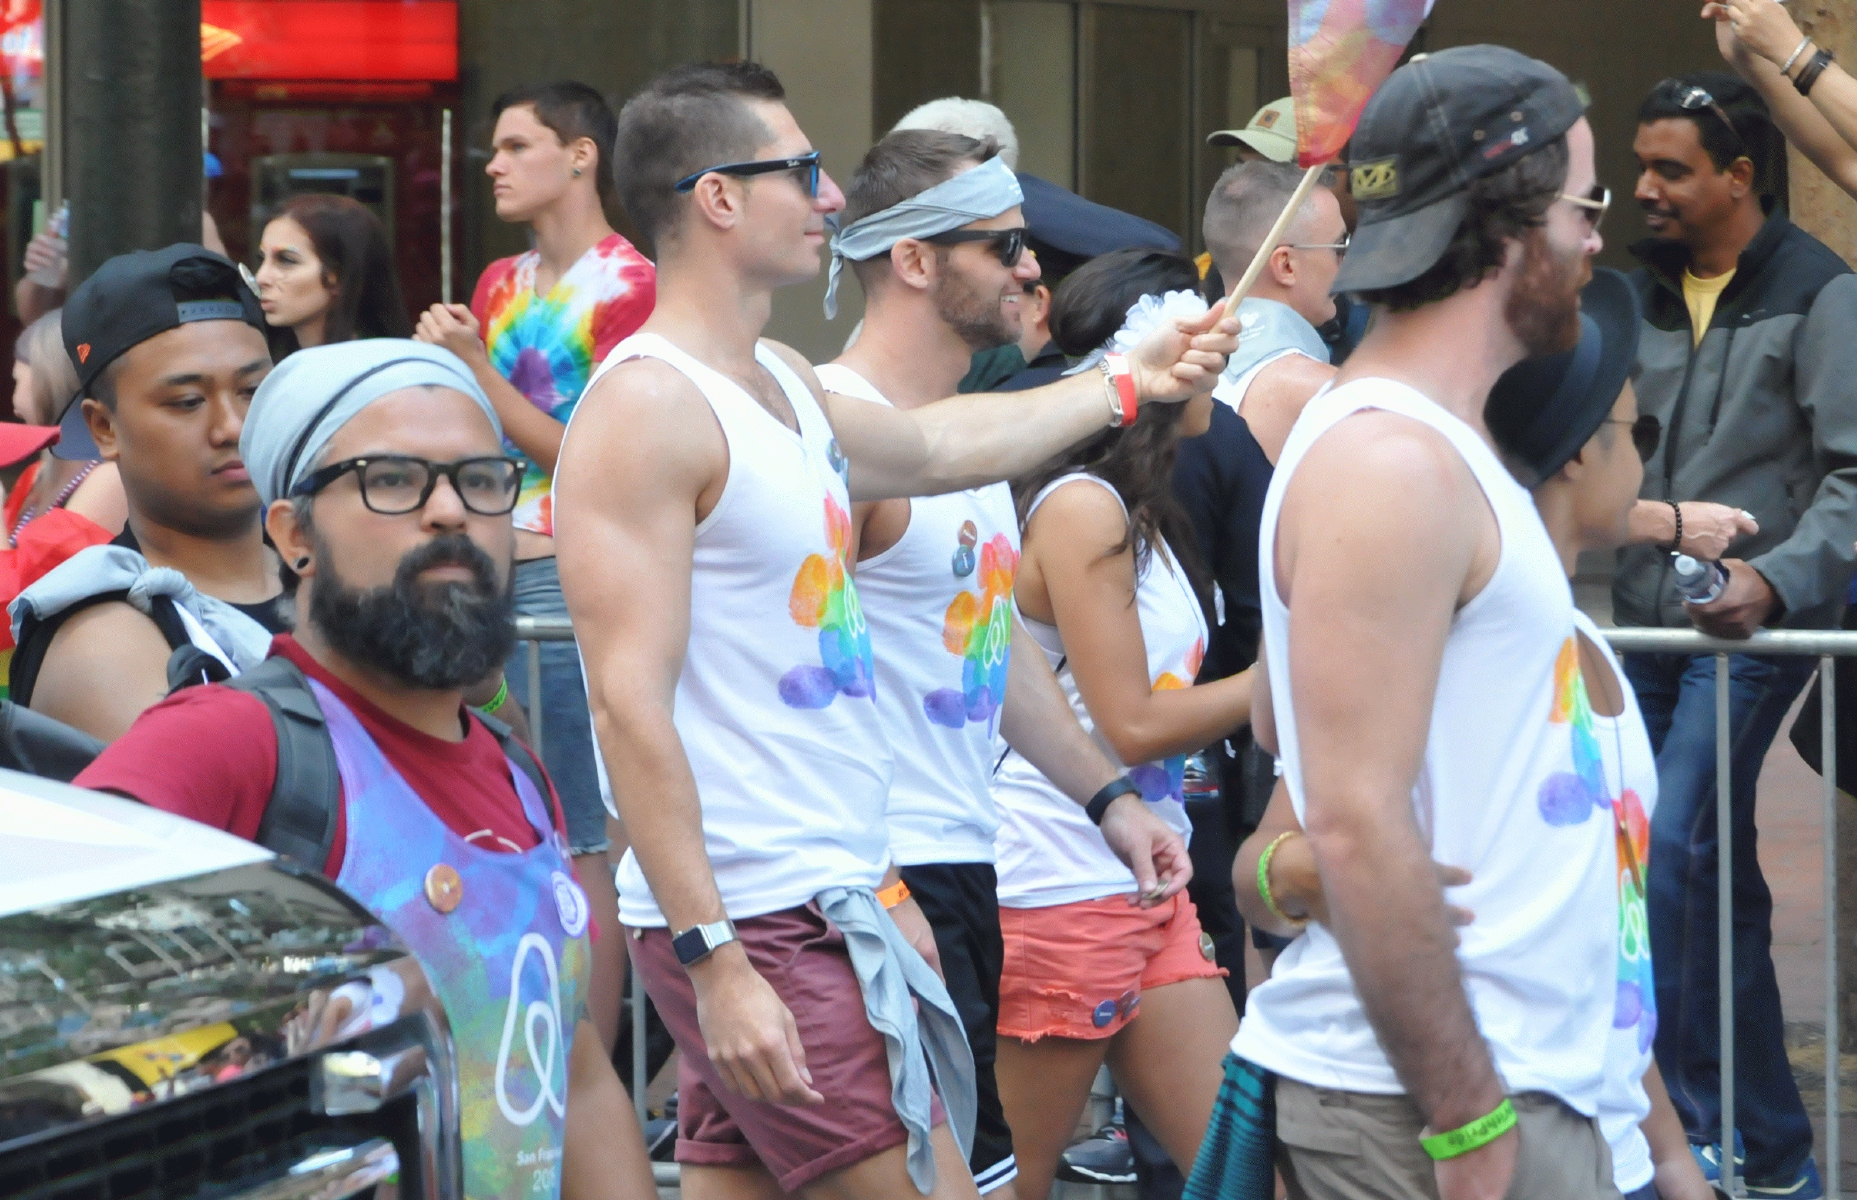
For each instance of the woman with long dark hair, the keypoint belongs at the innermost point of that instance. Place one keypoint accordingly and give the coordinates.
(1108, 586)
(326, 274)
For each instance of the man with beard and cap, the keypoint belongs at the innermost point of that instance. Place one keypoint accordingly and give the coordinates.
(954, 669)
(703, 525)
(1418, 642)
(389, 496)
(168, 346)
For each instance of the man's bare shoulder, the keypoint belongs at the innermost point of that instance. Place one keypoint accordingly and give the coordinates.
(644, 415)
(1294, 377)
(1374, 448)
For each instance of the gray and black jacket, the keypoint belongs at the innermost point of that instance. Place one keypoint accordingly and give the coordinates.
(1762, 415)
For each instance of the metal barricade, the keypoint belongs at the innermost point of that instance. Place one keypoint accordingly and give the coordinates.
(1827, 646)
(535, 631)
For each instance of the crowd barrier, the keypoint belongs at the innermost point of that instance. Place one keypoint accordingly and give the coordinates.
(1826, 646)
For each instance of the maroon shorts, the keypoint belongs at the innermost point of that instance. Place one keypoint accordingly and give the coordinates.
(803, 956)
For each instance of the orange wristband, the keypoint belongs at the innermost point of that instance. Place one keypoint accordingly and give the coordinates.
(1115, 368)
(893, 895)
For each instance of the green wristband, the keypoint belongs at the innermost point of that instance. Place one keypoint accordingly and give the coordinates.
(497, 701)
(1480, 1132)
(1263, 878)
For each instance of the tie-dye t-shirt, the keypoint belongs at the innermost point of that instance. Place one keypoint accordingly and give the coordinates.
(548, 346)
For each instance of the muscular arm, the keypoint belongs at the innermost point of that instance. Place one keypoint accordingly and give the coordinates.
(1039, 724)
(1277, 396)
(104, 667)
(1375, 490)
(647, 458)
(1090, 593)
(966, 441)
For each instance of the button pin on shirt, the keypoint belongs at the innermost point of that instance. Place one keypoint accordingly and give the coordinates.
(444, 889)
(964, 554)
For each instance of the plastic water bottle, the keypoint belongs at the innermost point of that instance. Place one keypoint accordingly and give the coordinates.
(1697, 581)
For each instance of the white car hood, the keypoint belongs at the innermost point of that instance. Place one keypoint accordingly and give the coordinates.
(60, 844)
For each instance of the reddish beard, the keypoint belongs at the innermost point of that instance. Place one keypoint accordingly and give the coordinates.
(1543, 308)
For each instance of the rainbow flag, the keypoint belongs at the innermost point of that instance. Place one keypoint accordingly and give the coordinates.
(1340, 51)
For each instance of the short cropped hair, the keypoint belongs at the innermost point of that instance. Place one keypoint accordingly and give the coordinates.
(974, 118)
(684, 121)
(1244, 204)
(1752, 134)
(573, 111)
(1505, 206)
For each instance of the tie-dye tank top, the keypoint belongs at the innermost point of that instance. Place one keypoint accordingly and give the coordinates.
(939, 603)
(775, 703)
(1505, 789)
(548, 346)
(1049, 851)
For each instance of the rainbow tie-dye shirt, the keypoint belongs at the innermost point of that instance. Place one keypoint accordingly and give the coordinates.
(548, 346)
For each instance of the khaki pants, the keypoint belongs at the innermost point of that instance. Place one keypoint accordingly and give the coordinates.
(1353, 1146)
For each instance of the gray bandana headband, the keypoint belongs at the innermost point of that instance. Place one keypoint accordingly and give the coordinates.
(980, 194)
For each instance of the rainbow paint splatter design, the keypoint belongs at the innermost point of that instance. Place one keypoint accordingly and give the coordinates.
(825, 598)
(1166, 780)
(1569, 798)
(977, 628)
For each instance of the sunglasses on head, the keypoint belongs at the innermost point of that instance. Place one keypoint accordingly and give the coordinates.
(1646, 432)
(1691, 98)
(807, 163)
(1009, 244)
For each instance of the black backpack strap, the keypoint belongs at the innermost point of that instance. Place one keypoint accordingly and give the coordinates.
(299, 821)
(520, 754)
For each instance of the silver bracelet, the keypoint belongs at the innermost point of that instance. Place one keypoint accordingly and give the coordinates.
(1800, 49)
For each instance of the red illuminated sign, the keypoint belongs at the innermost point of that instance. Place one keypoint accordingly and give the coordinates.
(329, 39)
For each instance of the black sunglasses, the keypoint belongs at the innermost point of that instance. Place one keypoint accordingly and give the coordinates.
(395, 484)
(808, 163)
(1694, 99)
(1009, 244)
(1646, 432)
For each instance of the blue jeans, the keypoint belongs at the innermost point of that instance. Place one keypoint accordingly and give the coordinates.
(567, 731)
(1677, 694)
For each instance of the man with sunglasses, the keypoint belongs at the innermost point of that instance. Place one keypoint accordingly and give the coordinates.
(703, 496)
(1747, 356)
(389, 495)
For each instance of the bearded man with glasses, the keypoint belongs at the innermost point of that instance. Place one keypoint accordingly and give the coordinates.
(1748, 349)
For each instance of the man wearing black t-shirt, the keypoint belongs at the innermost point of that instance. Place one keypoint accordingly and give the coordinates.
(169, 346)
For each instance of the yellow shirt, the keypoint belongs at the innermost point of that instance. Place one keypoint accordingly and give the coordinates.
(1701, 295)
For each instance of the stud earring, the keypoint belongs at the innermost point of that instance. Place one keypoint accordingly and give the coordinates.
(577, 172)
(300, 563)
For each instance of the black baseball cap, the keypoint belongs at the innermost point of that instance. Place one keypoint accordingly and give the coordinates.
(1543, 410)
(1437, 125)
(133, 297)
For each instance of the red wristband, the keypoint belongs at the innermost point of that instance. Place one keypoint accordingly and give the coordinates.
(1124, 387)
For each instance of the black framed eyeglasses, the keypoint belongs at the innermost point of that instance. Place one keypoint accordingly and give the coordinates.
(395, 484)
(809, 163)
(1009, 244)
(1691, 98)
(1646, 432)
(1593, 205)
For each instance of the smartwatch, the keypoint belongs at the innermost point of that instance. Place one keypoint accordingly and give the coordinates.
(699, 942)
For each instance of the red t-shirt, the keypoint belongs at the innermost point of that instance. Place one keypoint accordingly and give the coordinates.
(210, 754)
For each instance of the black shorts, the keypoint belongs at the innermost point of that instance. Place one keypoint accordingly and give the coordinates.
(961, 902)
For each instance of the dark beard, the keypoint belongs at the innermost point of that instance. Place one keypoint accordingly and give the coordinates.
(438, 635)
(979, 321)
(1543, 309)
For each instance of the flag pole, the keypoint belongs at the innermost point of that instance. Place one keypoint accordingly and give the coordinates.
(1277, 231)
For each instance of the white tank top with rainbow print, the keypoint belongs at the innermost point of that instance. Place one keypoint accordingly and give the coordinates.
(1049, 852)
(939, 603)
(1508, 789)
(775, 705)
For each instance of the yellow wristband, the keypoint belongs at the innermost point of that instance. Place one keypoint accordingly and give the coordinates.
(1263, 879)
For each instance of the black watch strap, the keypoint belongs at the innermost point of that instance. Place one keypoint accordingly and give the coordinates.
(1099, 803)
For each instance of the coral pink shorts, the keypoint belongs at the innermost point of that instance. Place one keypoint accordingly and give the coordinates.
(1078, 970)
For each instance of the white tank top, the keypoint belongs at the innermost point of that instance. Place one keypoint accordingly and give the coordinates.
(1500, 792)
(939, 603)
(1629, 771)
(774, 704)
(1049, 851)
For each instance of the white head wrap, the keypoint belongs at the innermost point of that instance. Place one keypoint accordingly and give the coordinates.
(315, 392)
(978, 194)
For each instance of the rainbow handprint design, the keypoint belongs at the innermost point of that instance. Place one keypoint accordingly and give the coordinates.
(825, 598)
(1166, 780)
(1569, 797)
(977, 628)
(1636, 1003)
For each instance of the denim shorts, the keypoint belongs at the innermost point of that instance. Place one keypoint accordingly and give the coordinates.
(566, 729)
